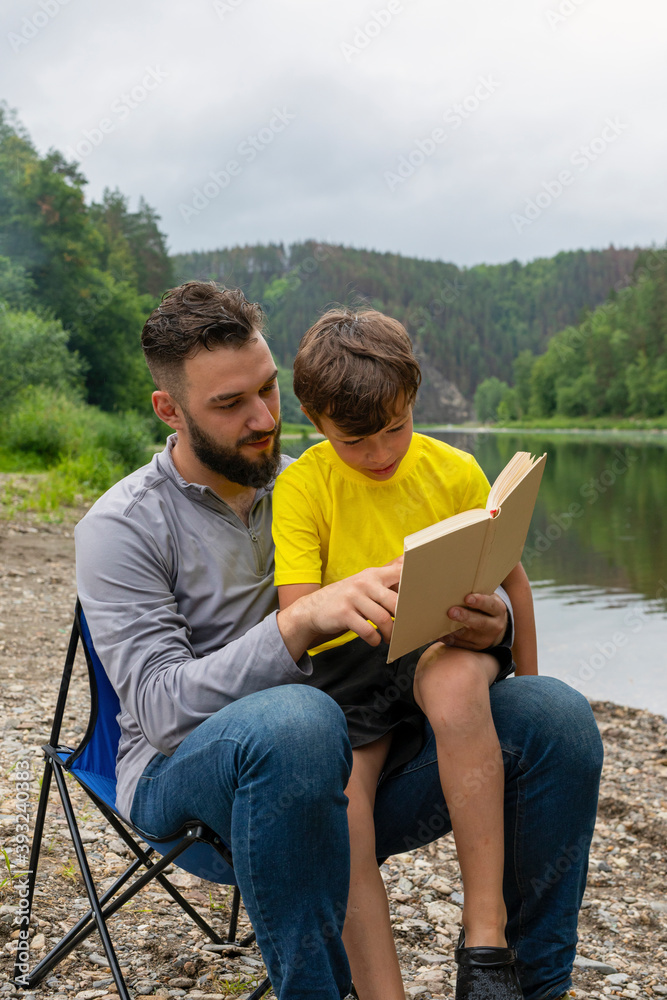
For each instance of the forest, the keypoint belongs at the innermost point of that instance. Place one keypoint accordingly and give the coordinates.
(579, 335)
(469, 324)
(77, 282)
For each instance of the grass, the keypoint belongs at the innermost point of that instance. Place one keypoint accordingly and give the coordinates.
(59, 453)
(589, 423)
(297, 430)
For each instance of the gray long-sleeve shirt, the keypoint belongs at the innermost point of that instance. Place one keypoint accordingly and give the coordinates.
(179, 597)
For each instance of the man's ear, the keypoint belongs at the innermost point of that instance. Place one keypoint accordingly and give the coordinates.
(312, 419)
(167, 409)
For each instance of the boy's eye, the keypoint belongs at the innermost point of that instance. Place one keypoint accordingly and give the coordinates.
(356, 441)
(393, 430)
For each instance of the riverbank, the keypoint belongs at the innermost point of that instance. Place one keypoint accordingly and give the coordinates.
(622, 925)
(643, 433)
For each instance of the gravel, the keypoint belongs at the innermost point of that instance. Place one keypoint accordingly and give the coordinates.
(623, 924)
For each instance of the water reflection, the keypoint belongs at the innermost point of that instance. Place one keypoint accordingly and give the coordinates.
(598, 519)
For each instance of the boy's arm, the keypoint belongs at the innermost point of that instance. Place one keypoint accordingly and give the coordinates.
(347, 605)
(524, 649)
(291, 592)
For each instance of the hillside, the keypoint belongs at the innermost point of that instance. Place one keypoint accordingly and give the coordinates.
(468, 323)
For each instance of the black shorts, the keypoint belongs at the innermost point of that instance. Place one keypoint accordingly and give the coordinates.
(378, 697)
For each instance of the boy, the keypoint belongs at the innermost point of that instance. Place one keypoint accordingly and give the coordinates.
(346, 504)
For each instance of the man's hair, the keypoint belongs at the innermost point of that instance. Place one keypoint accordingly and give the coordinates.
(357, 369)
(193, 317)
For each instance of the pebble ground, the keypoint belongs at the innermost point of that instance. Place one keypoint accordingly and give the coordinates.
(623, 924)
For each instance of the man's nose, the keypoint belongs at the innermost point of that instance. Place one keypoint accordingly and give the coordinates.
(261, 418)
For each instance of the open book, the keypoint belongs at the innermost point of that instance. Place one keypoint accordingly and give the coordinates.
(469, 553)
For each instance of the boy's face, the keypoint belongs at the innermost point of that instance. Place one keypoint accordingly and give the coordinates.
(377, 456)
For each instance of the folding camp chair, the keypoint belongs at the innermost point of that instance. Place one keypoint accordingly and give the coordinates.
(195, 848)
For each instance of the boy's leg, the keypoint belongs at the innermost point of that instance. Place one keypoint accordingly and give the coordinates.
(452, 689)
(367, 934)
(552, 754)
(268, 773)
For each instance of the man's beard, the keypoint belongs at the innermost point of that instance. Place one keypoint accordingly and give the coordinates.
(228, 462)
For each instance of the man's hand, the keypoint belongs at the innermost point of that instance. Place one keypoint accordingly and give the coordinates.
(484, 622)
(348, 604)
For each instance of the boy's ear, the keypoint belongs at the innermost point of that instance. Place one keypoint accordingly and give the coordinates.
(311, 418)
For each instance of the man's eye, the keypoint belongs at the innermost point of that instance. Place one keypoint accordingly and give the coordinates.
(230, 406)
(268, 389)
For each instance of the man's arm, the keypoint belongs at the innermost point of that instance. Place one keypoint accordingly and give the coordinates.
(145, 640)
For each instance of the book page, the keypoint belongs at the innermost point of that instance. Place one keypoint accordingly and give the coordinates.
(518, 466)
(509, 530)
(453, 523)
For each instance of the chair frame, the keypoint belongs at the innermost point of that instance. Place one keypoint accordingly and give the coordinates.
(58, 761)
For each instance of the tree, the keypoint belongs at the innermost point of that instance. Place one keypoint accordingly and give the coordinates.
(487, 397)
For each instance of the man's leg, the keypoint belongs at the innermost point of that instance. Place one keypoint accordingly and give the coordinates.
(552, 755)
(268, 774)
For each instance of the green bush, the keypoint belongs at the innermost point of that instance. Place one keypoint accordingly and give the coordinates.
(47, 424)
(126, 437)
(78, 479)
(84, 449)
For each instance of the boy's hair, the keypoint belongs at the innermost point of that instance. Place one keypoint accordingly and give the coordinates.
(193, 317)
(356, 369)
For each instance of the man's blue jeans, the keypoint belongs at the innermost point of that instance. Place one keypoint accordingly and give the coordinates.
(268, 773)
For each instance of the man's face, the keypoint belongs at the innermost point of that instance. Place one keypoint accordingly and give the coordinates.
(231, 411)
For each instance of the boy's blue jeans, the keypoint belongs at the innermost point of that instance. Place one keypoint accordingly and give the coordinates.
(268, 773)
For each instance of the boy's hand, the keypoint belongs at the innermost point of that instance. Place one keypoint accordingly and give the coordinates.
(346, 605)
(484, 622)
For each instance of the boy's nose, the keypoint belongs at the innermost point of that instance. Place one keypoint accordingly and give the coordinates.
(379, 454)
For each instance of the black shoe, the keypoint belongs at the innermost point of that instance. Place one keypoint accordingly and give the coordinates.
(486, 973)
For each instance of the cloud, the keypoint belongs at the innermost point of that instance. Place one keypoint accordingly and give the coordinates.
(229, 67)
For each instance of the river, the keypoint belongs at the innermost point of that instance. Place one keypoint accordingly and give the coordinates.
(596, 556)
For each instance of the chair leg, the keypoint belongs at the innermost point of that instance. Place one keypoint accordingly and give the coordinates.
(90, 886)
(79, 932)
(22, 946)
(263, 988)
(104, 906)
(234, 918)
(144, 856)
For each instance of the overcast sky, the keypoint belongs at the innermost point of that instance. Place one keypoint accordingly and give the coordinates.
(467, 130)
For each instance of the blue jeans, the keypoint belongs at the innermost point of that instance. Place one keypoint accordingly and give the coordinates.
(268, 774)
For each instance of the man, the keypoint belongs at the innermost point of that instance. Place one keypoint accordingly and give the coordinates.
(218, 720)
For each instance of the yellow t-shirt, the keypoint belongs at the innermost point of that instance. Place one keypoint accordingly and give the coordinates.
(330, 521)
